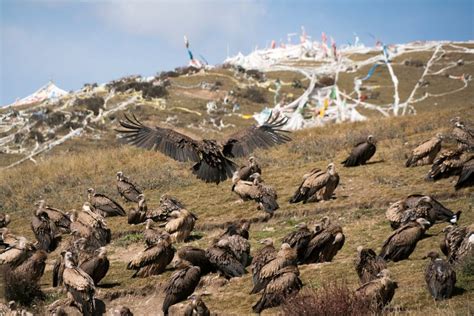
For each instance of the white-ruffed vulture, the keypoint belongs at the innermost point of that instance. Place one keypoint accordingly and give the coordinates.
(419, 206)
(45, 231)
(285, 283)
(104, 205)
(196, 307)
(4, 220)
(127, 190)
(440, 277)
(262, 257)
(210, 157)
(80, 285)
(153, 259)
(402, 242)
(458, 243)
(96, 266)
(327, 240)
(466, 176)
(317, 185)
(299, 239)
(379, 291)
(368, 265)
(246, 171)
(362, 152)
(58, 217)
(180, 286)
(425, 153)
(449, 163)
(223, 260)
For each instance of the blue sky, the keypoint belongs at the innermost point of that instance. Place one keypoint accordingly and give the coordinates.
(77, 42)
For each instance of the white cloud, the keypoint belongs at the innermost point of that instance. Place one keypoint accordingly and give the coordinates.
(170, 20)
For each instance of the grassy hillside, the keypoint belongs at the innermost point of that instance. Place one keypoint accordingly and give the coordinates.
(63, 175)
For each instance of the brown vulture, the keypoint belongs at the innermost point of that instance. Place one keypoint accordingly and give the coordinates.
(379, 291)
(458, 243)
(327, 240)
(16, 253)
(196, 307)
(104, 205)
(122, 311)
(96, 266)
(139, 215)
(246, 171)
(153, 259)
(180, 286)
(58, 217)
(299, 239)
(152, 235)
(368, 265)
(402, 242)
(4, 220)
(466, 177)
(425, 153)
(91, 226)
(449, 163)
(210, 157)
(419, 206)
(239, 246)
(180, 225)
(262, 257)
(224, 261)
(168, 204)
(45, 231)
(196, 257)
(463, 135)
(440, 277)
(362, 152)
(241, 229)
(285, 257)
(32, 269)
(80, 285)
(285, 283)
(257, 191)
(317, 185)
(127, 190)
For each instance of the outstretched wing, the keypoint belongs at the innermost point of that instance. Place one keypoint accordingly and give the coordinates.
(171, 143)
(264, 136)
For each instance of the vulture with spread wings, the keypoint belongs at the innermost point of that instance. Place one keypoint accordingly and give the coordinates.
(210, 157)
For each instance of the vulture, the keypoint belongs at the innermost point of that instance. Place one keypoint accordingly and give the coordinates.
(285, 257)
(96, 266)
(58, 217)
(139, 215)
(463, 135)
(419, 206)
(239, 246)
(168, 204)
(210, 157)
(180, 286)
(80, 285)
(196, 257)
(402, 242)
(152, 235)
(91, 226)
(299, 239)
(256, 190)
(32, 269)
(241, 230)
(368, 265)
(440, 277)
(425, 153)
(4, 220)
(317, 185)
(154, 259)
(327, 240)
(196, 307)
(16, 253)
(127, 190)
(458, 242)
(58, 268)
(379, 291)
(449, 163)
(262, 257)
(466, 177)
(180, 225)
(362, 152)
(223, 260)
(246, 171)
(284, 284)
(122, 311)
(104, 205)
(45, 231)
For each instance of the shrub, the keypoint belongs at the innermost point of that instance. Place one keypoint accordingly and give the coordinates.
(328, 300)
(94, 104)
(254, 95)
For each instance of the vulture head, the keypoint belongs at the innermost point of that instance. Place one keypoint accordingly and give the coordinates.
(148, 223)
(40, 203)
(371, 139)
(102, 252)
(8, 219)
(87, 207)
(122, 311)
(359, 249)
(245, 224)
(69, 260)
(73, 216)
(252, 161)
(301, 225)
(267, 242)
(332, 169)
(439, 136)
(455, 218)
(21, 243)
(119, 175)
(433, 255)
(90, 192)
(325, 221)
(256, 177)
(423, 223)
(285, 246)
